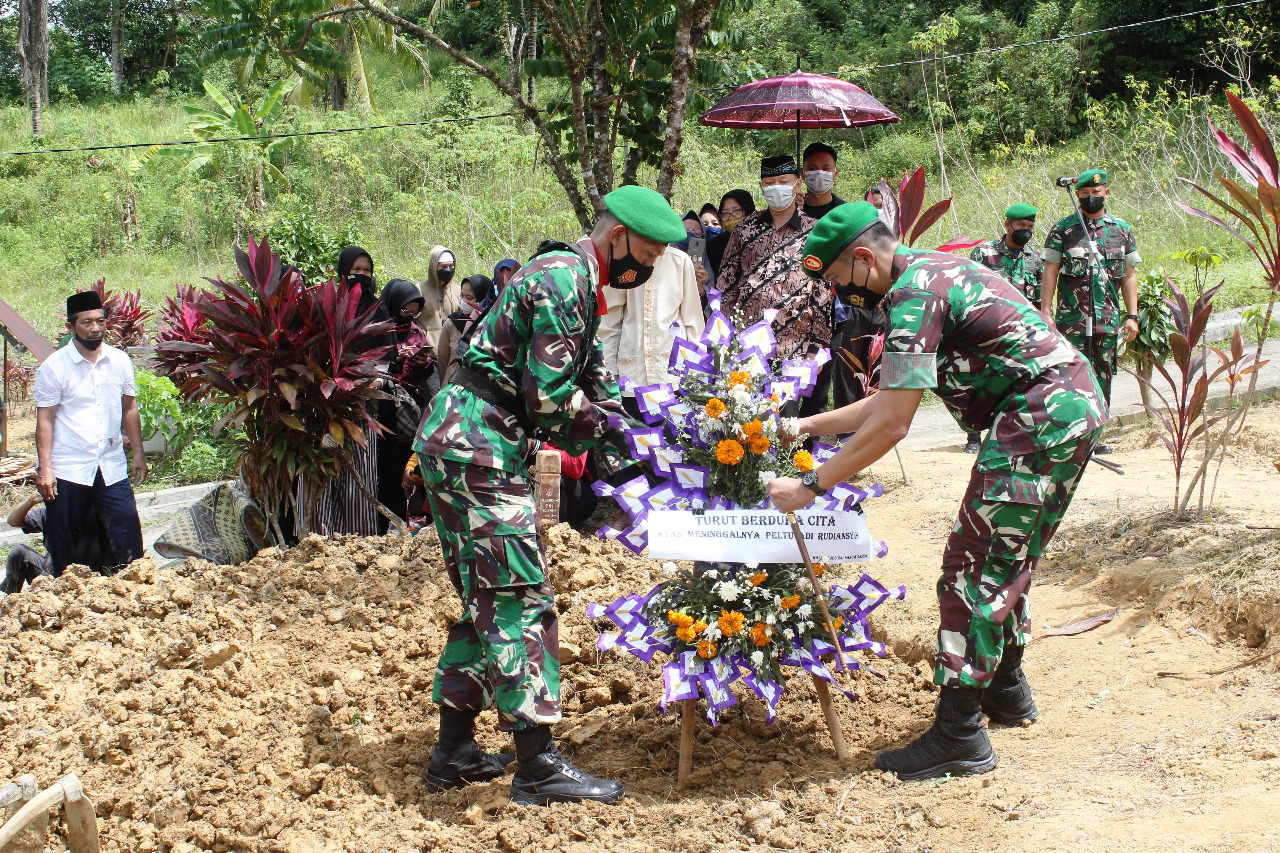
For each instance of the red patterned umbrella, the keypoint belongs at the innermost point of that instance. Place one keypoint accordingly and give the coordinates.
(798, 100)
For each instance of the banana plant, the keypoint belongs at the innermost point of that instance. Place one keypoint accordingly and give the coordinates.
(230, 118)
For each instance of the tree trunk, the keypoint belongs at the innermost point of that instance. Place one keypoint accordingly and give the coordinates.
(692, 22)
(33, 56)
(37, 118)
(117, 60)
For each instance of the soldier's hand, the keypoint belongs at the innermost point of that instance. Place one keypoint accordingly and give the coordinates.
(789, 494)
(1130, 331)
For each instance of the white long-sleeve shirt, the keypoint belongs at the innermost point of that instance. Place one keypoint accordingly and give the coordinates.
(89, 398)
(637, 330)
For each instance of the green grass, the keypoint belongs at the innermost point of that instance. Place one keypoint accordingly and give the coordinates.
(479, 189)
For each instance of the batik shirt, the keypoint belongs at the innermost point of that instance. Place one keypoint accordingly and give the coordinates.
(1065, 245)
(539, 343)
(1022, 267)
(962, 331)
(762, 268)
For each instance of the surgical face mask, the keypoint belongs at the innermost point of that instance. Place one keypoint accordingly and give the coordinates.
(626, 272)
(819, 181)
(858, 295)
(364, 282)
(90, 344)
(1093, 204)
(1020, 237)
(779, 197)
(731, 222)
(445, 274)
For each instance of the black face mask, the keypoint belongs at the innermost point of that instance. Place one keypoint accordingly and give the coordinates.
(626, 272)
(365, 282)
(1020, 237)
(90, 345)
(1093, 204)
(859, 295)
(445, 276)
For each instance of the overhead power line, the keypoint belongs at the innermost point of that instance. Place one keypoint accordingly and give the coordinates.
(174, 143)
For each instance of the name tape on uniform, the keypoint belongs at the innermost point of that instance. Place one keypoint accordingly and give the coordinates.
(758, 536)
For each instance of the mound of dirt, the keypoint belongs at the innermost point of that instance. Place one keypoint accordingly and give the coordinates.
(285, 705)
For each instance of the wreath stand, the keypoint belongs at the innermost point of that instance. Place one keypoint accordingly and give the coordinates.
(689, 707)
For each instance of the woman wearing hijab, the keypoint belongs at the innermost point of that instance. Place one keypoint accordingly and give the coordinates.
(476, 292)
(734, 206)
(340, 506)
(410, 365)
(502, 273)
(440, 299)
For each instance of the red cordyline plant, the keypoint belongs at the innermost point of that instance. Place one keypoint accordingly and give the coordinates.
(19, 376)
(126, 318)
(903, 208)
(295, 362)
(1257, 208)
(1182, 410)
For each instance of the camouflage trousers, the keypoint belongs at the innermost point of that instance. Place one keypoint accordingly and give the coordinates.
(504, 652)
(1103, 362)
(1009, 513)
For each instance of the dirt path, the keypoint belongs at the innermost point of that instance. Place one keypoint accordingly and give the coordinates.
(285, 705)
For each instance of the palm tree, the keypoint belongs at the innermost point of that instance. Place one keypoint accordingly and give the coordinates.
(33, 53)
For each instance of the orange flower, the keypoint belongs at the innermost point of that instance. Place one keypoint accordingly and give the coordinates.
(715, 408)
(803, 460)
(729, 452)
(680, 620)
(739, 377)
(819, 569)
(760, 634)
(760, 578)
(839, 622)
(699, 626)
(687, 633)
(730, 622)
(706, 649)
(751, 429)
(759, 445)
(790, 602)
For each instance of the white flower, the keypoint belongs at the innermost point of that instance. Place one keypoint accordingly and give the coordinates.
(752, 566)
(766, 476)
(711, 573)
(741, 396)
(771, 618)
(728, 591)
(777, 601)
(712, 633)
(757, 657)
(669, 568)
(804, 611)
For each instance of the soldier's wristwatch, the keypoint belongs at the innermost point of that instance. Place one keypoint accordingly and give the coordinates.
(1133, 317)
(810, 481)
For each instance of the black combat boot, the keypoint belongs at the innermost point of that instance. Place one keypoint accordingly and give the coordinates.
(1007, 700)
(457, 759)
(957, 744)
(543, 776)
(973, 443)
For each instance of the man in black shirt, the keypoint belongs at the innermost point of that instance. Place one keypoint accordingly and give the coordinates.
(820, 173)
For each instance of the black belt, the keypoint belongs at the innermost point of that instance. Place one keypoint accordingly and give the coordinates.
(489, 391)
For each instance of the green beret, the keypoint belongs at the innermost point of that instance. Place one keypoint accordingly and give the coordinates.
(833, 234)
(1021, 210)
(1092, 178)
(646, 213)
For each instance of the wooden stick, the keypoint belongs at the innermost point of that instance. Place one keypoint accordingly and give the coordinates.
(818, 591)
(901, 465)
(833, 722)
(688, 723)
(82, 825)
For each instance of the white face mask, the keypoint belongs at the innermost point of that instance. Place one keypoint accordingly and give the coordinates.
(819, 182)
(779, 197)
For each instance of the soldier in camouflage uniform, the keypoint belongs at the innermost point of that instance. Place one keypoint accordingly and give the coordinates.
(1067, 277)
(1013, 256)
(534, 362)
(964, 332)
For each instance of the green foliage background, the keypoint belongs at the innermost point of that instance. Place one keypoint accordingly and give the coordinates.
(989, 130)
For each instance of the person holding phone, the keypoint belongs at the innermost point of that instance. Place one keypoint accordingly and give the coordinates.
(86, 403)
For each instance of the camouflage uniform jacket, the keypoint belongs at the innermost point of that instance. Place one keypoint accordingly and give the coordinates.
(538, 342)
(1065, 245)
(1022, 267)
(962, 331)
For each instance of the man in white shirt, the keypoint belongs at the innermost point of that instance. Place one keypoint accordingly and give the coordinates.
(638, 331)
(84, 398)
